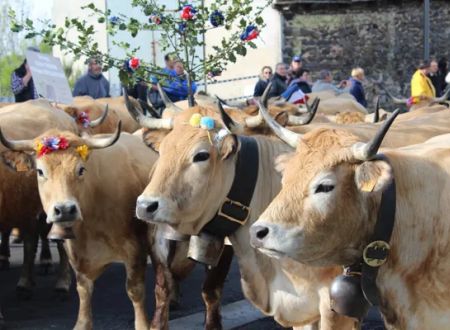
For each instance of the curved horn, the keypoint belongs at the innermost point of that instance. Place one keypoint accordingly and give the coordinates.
(168, 103)
(366, 151)
(101, 119)
(222, 101)
(442, 98)
(254, 121)
(144, 121)
(16, 145)
(305, 120)
(286, 135)
(376, 113)
(396, 100)
(265, 96)
(104, 142)
(229, 123)
(146, 106)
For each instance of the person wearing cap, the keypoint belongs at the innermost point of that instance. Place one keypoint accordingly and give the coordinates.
(93, 83)
(421, 85)
(295, 67)
(325, 83)
(357, 89)
(22, 84)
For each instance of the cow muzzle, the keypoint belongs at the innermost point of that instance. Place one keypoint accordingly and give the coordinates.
(150, 209)
(64, 214)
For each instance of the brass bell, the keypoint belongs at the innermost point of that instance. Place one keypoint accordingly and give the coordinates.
(60, 233)
(347, 297)
(206, 248)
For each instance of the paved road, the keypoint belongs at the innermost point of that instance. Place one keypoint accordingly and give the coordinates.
(111, 307)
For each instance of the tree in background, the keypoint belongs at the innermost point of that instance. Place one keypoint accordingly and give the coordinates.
(182, 32)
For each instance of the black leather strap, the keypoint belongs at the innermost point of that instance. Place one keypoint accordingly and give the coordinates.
(382, 234)
(235, 211)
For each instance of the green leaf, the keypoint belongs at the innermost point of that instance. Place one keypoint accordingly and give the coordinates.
(101, 20)
(259, 20)
(231, 57)
(252, 44)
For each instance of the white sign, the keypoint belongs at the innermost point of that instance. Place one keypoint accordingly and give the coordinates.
(49, 78)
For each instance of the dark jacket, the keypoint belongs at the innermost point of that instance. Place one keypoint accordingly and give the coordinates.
(357, 90)
(438, 81)
(22, 93)
(138, 91)
(278, 85)
(94, 86)
(260, 87)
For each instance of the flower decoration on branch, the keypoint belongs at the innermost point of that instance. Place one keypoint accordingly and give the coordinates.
(214, 73)
(114, 20)
(188, 13)
(132, 64)
(182, 27)
(49, 144)
(83, 119)
(155, 19)
(251, 32)
(216, 18)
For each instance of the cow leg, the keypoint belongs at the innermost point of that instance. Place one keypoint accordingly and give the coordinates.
(212, 289)
(45, 258)
(135, 268)
(26, 281)
(5, 253)
(162, 295)
(64, 278)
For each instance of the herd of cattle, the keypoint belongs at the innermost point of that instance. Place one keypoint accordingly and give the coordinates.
(120, 178)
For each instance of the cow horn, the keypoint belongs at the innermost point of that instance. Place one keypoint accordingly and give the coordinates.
(16, 145)
(147, 106)
(366, 151)
(167, 102)
(265, 96)
(376, 113)
(286, 135)
(396, 100)
(104, 142)
(442, 98)
(222, 101)
(101, 119)
(144, 121)
(229, 123)
(258, 120)
(305, 120)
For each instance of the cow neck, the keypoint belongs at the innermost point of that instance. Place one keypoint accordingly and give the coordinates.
(235, 210)
(376, 252)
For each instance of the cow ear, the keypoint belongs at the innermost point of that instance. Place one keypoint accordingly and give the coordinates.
(229, 146)
(153, 138)
(17, 160)
(71, 111)
(282, 160)
(282, 118)
(373, 176)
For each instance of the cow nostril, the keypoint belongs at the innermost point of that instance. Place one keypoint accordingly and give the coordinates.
(57, 211)
(152, 207)
(261, 233)
(72, 209)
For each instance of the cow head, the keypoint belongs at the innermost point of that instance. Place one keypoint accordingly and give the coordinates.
(331, 189)
(63, 168)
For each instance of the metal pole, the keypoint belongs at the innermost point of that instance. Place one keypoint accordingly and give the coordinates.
(426, 29)
(204, 56)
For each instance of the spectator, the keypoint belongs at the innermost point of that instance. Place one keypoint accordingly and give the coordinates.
(421, 85)
(434, 77)
(139, 90)
(294, 69)
(22, 84)
(302, 80)
(357, 89)
(177, 88)
(442, 73)
(278, 80)
(93, 83)
(264, 78)
(169, 69)
(325, 83)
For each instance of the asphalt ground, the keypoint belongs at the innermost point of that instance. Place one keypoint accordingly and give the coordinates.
(113, 310)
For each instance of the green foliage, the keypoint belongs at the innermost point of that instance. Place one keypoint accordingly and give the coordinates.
(8, 64)
(179, 36)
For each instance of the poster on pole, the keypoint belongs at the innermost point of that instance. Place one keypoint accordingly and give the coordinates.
(49, 78)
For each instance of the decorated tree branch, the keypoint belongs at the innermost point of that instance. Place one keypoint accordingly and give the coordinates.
(182, 32)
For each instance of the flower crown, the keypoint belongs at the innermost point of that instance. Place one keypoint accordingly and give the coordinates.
(50, 144)
(83, 119)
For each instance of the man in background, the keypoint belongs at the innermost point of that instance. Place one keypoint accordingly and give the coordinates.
(93, 83)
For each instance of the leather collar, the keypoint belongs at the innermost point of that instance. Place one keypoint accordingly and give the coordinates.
(235, 210)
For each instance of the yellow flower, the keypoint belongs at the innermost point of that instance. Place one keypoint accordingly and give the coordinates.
(83, 151)
(195, 120)
(38, 146)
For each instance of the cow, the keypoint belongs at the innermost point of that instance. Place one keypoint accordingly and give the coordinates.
(189, 184)
(326, 211)
(22, 121)
(89, 185)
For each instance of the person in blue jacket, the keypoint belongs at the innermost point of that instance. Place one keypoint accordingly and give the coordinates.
(176, 87)
(357, 89)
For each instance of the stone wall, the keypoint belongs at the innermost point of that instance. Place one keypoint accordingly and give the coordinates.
(383, 37)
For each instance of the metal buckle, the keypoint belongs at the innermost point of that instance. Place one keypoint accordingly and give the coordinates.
(234, 203)
(375, 245)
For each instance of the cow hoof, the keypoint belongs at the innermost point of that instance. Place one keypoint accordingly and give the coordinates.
(4, 264)
(24, 293)
(45, 269)
(61, 294)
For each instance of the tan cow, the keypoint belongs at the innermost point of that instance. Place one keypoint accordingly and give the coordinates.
(196, 166)
(24, 121)
(326, 212)
(90, 185)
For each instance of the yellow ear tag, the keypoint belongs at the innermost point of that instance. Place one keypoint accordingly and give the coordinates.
(368, 186)
(83, 151)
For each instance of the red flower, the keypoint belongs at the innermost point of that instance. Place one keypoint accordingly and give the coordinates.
(135, 63)
(63, 143)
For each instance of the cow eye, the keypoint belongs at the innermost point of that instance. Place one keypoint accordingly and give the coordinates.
(324, 188)
(40, 172)
(81, 171)
(201, 156)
